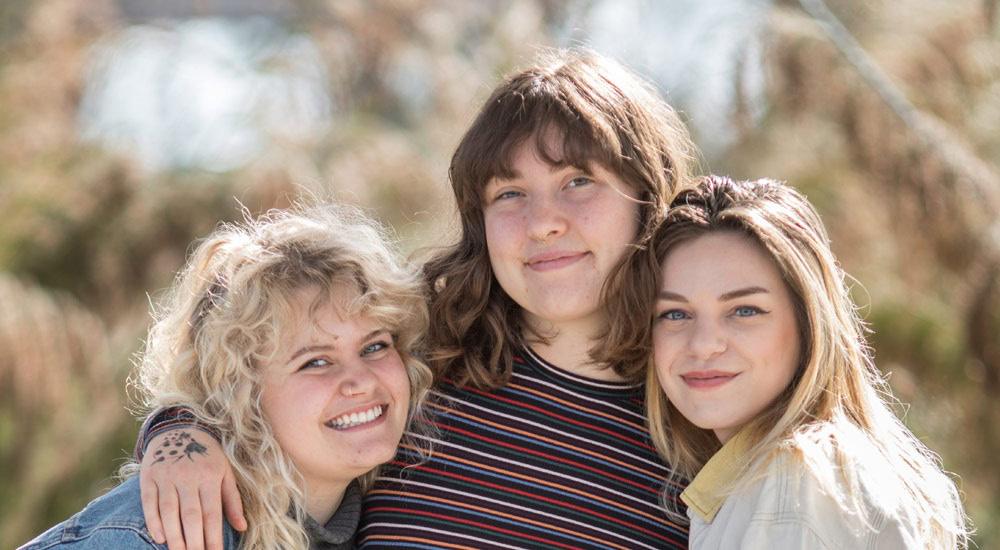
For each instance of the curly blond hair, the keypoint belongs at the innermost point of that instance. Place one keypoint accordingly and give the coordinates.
(229, 307)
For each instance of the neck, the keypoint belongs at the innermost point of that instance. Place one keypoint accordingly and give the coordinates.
(568, 347)
(322, 502)
(724, 435)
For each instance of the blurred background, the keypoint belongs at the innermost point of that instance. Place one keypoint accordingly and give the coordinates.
(128, 128)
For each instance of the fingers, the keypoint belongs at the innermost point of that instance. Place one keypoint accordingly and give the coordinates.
(191, 517)
(188, 478)
(151, 507)
(169, 514)
(211, 509)
(232, 503)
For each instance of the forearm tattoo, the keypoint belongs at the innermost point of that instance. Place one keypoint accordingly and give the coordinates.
(178, 446)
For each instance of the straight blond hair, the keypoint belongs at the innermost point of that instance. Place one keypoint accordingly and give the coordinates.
(838, 398)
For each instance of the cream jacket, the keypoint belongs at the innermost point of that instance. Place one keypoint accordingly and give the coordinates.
(784, 509)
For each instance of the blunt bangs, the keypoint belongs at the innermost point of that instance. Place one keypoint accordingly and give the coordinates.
(550, 115)
(573, 108)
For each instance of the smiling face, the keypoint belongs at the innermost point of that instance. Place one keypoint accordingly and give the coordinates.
(554, 234)
(725, 337)
(336, 394)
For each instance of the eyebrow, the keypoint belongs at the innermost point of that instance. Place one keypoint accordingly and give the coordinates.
(731, 295)
(309, 349)
(743, 292)
(553, 168)
(326, 347)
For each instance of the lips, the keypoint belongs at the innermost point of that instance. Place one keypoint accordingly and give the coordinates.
(553, 259)
(708, 379)
(357, 418)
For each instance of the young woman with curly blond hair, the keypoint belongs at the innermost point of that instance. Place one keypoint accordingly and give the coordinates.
(295, 337)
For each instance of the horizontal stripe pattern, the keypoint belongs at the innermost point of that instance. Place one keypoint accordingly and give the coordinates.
(551, 460)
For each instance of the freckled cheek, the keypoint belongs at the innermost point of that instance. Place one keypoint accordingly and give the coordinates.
(399, 384)
(501, 233)
(392, 376)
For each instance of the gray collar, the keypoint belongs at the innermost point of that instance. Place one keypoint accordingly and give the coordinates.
(338, 533)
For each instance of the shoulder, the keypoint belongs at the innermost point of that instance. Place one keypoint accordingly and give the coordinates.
(802, 505)
(113, 520)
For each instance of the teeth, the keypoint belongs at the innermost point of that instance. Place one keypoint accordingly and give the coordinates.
(355, 419)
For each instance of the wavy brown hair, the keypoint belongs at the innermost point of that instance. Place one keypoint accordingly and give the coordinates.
(837, 398)
(601, 113)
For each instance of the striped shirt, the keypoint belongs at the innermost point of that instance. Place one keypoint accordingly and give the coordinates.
(551, 460)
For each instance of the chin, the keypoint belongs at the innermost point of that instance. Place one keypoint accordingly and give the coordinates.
(386, 455)
(383, 452)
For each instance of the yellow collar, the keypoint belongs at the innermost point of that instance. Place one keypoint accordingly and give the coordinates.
(704, 494)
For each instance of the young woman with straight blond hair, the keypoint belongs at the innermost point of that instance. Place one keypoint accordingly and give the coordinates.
(764, 392)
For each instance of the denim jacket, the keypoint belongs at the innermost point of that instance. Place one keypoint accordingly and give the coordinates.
(114, 520)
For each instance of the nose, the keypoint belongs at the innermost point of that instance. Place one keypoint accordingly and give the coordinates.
(707, 339)
(357, 380)
(545, 219)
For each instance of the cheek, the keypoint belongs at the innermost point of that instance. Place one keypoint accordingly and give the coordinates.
(499, 228)
(276, 415)
(663, 354)
(618, 230)
(289, 408)
(393, 376)
(792, 353)
(495, 256)
(498, 244)
(779, 354)
(622, 214)
(400, 385)
(791, 345)
(268, 406)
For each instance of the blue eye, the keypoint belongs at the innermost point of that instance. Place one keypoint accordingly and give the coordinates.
(507, 195)
(314, 363)
(747, 311)
(375, 348)
(674, 315)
